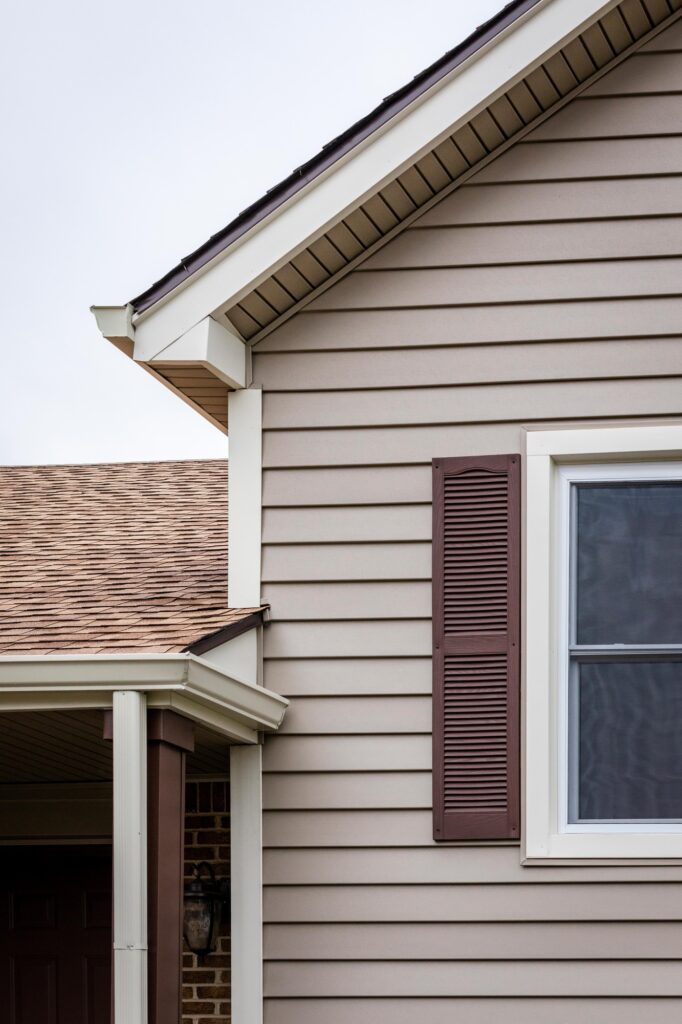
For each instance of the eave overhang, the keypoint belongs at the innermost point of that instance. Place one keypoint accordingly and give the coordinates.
(534, 64)
(184, 682)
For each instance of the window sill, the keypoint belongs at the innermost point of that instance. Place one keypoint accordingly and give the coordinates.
(590, 847)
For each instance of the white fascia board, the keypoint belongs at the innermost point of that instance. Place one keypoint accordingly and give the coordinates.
(53, 699)
(91, 671)
(365, 169)
(210, 344)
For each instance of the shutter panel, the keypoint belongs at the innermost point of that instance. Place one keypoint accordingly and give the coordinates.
(476, 640)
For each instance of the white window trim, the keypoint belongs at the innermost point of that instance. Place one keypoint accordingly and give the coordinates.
(544, 839)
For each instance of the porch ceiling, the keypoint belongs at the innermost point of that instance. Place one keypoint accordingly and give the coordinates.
(68, 746)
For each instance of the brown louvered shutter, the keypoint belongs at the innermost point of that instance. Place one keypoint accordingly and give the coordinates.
(476, 639)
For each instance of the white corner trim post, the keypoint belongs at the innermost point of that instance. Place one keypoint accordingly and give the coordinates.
(246, 801)
(130, 857)
(245, 417)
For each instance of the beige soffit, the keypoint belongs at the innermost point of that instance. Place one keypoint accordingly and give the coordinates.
(502, 91)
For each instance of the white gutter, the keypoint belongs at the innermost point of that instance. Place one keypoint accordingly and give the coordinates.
(185, 682)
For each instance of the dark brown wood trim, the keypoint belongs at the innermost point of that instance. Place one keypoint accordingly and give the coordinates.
(221, 636)
(169, 737)
(168, 727)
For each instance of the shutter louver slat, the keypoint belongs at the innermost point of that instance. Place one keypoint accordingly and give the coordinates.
(476, 594)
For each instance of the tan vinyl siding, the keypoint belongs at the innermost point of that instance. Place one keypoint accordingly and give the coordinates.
(544, 290)
(471, 940)
(445, 1010)
(484, 324)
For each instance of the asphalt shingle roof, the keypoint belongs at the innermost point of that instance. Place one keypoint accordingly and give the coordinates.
(121, 558)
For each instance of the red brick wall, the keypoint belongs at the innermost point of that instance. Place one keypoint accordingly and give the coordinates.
(206, 987)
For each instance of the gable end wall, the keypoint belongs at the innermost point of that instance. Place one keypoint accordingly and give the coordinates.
(545, 291)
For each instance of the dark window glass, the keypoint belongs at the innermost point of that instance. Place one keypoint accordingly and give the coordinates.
(629, 563)
(630, 740)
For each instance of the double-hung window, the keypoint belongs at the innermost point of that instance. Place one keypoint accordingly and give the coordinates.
(621, 699)
(604, 637)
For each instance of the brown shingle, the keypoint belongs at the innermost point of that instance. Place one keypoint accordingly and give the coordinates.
(120, 557)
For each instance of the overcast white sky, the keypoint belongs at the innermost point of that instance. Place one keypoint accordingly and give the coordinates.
(131, 132)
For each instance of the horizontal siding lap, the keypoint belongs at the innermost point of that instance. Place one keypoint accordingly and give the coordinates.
(527, 203)
(364, 600)
(432, 865)
(312, 562)
(468, 286)
(450, 978)
(340, 486)
(482, 325)
(349, 790)
(496, 1010)
(406, 903)
(472, 941)
(555, 242)
(476, 404)
(331, 676)
(614, 116)
(357, 715)
(382, 523)
(348, 753)
(407, 637)
(591, 158)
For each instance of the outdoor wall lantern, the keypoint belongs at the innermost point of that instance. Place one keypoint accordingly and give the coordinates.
(206, 897)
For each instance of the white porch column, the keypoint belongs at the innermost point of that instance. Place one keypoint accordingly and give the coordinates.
(130, 857)
(246, 871)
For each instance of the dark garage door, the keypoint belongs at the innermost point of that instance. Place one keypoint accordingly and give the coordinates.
(55, 935)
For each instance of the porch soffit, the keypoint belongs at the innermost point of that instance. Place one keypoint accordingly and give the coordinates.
(515, 79)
